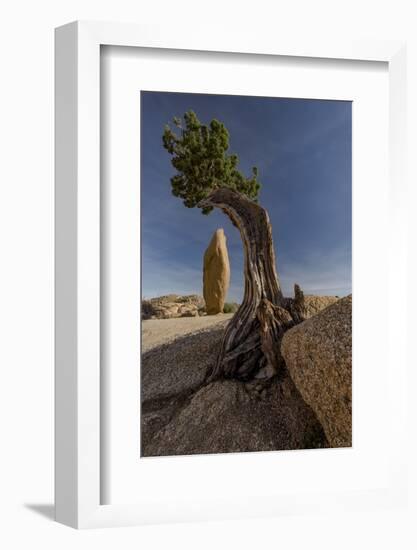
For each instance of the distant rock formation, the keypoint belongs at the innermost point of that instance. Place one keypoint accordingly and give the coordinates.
(315, 304)
(216, 273)
(318, 355)
(303, 306)
(173, 305)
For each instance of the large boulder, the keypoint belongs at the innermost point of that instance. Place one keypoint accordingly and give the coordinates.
(173, 370)
(216, 273)
(230, 416)
(180, 365)
(318, 355)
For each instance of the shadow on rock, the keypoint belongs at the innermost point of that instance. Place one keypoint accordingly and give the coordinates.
(182, 416)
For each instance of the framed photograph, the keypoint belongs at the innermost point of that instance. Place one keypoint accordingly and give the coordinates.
(228, 213)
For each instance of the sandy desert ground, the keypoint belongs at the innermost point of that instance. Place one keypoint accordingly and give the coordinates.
(156, 332)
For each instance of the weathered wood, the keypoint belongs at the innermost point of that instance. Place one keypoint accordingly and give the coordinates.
(251, 341)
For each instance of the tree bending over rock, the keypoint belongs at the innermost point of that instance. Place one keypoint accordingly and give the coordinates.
(208, 178)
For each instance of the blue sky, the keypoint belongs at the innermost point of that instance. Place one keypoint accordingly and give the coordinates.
(302, 149)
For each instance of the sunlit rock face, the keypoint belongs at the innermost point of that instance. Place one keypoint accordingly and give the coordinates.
(216, 273)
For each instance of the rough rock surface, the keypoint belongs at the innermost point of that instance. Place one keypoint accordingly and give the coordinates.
(318, 355)
(181, 415)
(170, 372)
(173, 305)
(216, 273)
(230, 416)
(177, 367)
(315, 304)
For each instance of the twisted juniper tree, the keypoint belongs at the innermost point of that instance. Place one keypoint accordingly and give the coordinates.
(207, 177)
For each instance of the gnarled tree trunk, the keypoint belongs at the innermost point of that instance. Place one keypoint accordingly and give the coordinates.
(251, 342)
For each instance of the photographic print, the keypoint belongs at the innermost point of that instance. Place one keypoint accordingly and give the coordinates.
(246, 260)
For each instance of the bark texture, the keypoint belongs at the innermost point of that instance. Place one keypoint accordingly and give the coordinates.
(251, 342)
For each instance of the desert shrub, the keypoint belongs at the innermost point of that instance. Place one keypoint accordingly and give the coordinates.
(230, 307)
(147, 309)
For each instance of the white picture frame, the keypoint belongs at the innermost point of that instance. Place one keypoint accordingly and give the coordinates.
(77, 241)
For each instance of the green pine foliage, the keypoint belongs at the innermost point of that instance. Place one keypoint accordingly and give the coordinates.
(199, 155)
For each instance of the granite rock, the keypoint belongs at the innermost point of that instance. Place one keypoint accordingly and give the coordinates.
(318, 356)
(172, 306)
(180, 366)
(315, 304)
(216, 273)
(230, 416)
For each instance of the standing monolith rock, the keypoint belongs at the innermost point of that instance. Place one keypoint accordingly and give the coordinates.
(216, 273)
